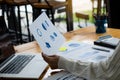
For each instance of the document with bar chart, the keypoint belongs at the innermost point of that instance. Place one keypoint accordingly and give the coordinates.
(46, 34)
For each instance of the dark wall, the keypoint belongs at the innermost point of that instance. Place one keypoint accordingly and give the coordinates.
(113, 8)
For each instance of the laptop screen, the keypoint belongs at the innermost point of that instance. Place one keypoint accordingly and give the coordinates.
(6, 50)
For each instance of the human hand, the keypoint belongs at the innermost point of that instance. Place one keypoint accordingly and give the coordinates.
(51, 60)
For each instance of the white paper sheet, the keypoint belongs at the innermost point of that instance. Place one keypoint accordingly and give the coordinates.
(47, 36)
(82, 51)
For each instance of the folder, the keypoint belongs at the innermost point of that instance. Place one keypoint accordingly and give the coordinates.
(107, 41)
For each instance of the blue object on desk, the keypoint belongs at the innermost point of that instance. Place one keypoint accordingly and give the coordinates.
(100, 26)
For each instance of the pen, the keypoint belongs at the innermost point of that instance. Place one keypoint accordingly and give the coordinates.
(101, 49)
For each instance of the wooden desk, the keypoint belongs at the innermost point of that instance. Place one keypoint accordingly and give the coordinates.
(84, 34)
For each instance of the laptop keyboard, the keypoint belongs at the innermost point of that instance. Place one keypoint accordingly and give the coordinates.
(17, 64)
(6, 60)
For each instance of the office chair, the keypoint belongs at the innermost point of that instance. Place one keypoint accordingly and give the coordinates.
(81, 15)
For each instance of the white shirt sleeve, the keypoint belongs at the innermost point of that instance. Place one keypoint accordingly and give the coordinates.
(107, 70)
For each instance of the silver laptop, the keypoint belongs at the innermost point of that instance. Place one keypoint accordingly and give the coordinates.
(23, 66)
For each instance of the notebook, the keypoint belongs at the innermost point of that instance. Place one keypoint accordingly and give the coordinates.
(107, 41)
(23, 66)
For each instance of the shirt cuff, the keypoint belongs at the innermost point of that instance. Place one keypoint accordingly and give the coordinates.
(63, 63)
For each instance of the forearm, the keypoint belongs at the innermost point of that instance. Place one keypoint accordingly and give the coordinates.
(88, 70)
(106, 70)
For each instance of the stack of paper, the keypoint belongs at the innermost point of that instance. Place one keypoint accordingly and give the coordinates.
(85, 52)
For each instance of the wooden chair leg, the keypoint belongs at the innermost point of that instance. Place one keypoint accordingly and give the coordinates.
(85, 22)
(19, 21)
(52, 15)
(27, 20)
(12, 21)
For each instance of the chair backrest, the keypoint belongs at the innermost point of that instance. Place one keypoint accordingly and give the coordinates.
(98, 7)
(3, 26)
